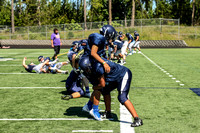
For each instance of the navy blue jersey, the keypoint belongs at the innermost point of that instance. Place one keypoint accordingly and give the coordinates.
(98, 40)
(116, 73)
(130, 37)
(70, 54)
(119, 44)
(136, 35)
(30, 68)
(47, 58)
(118, 38)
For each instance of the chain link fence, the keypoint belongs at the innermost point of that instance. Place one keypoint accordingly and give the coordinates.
(150, 29)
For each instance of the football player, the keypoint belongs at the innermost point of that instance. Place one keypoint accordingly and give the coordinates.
(121, 36)
(119, 77)
(137, 41)
(33, 68)
(131, 43)
(52, 66)
(95, 50)
(75, 76)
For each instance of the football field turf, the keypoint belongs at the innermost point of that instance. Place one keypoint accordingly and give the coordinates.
(160, 92)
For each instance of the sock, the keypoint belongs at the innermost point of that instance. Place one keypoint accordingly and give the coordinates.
(95, 107)
(90, 103)
(87, 89)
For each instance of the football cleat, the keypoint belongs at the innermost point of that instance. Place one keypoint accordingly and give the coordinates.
(107, 115)
(95, 113)
(86, 108)
(137, 122)
(66, 97)
(139, 52)
(119, 61)
(67, 72)
(87, 94)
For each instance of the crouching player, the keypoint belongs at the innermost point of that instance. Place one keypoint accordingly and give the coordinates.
(74, 86)
(119, 77)
(118, 46)
(76, 80)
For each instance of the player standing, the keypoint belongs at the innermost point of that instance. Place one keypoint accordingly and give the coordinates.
(55, 43)
(137, 41)
(131, 43)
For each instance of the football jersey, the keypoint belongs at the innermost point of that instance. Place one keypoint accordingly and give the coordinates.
(136, 35)
(116, 73)
(98, 40)
(70, 54)
(130, 37)
(118, 43)
(118, 38)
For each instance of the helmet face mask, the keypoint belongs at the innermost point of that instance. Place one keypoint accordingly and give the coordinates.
(40, 58)
(108, 32)
(74, 46)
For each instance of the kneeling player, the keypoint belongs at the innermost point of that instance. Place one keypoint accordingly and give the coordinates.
(119, 77)
(74, 86)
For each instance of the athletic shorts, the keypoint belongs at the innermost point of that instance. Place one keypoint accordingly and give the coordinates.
(137, 44)
(124, 47)
(56, 50)
(56, 66)
(37, 68)
(74, 88)
(131, 44)
(118, 52)
(122, 86)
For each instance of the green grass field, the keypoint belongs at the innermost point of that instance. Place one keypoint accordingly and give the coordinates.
(162, 103)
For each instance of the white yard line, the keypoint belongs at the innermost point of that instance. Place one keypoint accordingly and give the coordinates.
(10, 65)
(167, 73)
(92, 131)
(31, 87)
(46, 119)
(15, 73)
(104, 103)
(125, 120)
(27, 54)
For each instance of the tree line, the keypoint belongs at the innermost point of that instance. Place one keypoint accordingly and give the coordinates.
(49, 12)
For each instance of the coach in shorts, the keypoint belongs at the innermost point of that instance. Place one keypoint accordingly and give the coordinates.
(55, 43)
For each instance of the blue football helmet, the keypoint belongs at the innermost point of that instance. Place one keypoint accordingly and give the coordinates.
(120, 33)
(75, 43)
(127, 34)
(40, 57)
(108, 32)
(85, 65)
